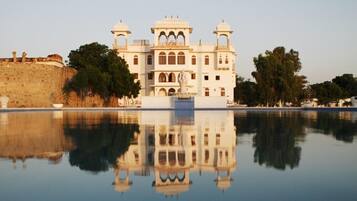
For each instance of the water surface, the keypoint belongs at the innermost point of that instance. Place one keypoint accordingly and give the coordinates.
(166, 155)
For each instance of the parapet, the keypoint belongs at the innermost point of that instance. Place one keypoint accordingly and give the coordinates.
(52, 59)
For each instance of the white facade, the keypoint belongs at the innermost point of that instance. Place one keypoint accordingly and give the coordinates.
(211, 67)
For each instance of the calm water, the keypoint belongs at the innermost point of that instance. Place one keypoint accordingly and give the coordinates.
(163, 155)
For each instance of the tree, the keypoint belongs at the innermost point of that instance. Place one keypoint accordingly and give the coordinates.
(245, 92)
(277, 78)
(327, 92)
(347, 83)
(97, 146)
(100, 71)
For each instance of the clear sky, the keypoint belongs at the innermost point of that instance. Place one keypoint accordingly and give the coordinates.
(323, 31)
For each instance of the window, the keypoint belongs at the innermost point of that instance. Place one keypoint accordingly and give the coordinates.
(172, 58)
(220, 60)
(149, 60)
(194, 157)
(135, 75)
(206, 91)
(226, 61)
(181, 58)
(193, 60)
(150, 75)
(172, 139)
(193, 76)
(172, 77)
(206, 156)
(218, 77)
(206, 60)
(136, 60)
(223, 92)
(162, 77)
(206, 77)
(162, 139)
(206, 139)
(172, 158)
(193, 140)
(162, 158)
(172, 91)
(162, 58)
(218, 139)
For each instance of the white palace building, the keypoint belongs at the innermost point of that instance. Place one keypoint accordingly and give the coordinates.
(209, 68)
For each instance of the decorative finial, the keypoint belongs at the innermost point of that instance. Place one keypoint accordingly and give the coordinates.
(121, 21)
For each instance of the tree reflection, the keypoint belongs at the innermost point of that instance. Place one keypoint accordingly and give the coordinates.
(342, 125)
(98, 144)
(275, 137)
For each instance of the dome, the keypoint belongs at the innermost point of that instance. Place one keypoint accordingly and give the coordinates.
(223, 27)
(120, 27)
(171, 23)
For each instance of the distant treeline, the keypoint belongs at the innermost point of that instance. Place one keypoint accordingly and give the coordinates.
(278, 83)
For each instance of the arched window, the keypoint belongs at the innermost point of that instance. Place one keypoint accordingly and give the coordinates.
(181, 58)
(180, 38)
(162, 58)
(172, 77)
(136, 60)
(149, 60)
(162, 38)
(223, 41)
(172, 91)
(206, 91)
(162, 77)
(162, 92)
(206, 60)
(193, 60)
(120, 41)
(171, 39)
(220, 60)
(226, 61)
(172, 58)
(223, 91)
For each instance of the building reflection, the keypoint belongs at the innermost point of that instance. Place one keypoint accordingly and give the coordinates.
(172, 145)
(32, 135)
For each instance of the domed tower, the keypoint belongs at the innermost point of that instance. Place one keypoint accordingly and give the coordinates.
(121, 33)
(223, 33)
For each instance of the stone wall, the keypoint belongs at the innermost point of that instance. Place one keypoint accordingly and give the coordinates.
(40, 85)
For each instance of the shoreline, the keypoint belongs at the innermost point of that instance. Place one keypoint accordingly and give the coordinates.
(257, 109)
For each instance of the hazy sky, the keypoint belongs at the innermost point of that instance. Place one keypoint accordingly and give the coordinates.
(323, 31)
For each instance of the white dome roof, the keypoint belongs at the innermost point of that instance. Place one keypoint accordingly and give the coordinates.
(172, 22)
(120, 26)
(223, 26)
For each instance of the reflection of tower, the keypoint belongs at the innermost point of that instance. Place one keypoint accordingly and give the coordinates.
(122, 184)
(171, 182)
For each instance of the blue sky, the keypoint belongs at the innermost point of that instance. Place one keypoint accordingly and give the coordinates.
(323, 31)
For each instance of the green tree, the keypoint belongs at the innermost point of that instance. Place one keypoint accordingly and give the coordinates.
(245, 92)
(327, 92)
(277, 78)
(102, 72)
(347, 83)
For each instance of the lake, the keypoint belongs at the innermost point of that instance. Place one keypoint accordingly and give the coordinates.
(182, 155)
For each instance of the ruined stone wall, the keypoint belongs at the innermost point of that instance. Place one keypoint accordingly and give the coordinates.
(40, 85)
